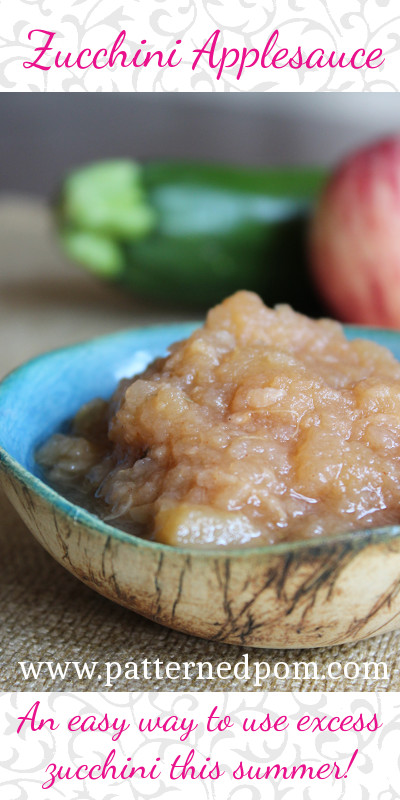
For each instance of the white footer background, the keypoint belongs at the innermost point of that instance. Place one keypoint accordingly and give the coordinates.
(25, 756)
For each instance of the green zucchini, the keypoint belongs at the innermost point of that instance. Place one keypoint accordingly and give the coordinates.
(191, 233)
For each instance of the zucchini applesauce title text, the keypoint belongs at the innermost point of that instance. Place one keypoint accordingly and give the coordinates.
(49, 55)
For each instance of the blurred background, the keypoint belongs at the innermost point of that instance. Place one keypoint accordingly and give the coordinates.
(43, 135)
(47, 301)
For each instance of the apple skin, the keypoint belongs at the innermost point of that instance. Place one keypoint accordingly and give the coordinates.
(355, 238)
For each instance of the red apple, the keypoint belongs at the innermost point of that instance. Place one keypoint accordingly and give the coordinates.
(355, 237)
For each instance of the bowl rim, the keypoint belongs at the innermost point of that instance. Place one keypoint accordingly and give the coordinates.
(78, 514)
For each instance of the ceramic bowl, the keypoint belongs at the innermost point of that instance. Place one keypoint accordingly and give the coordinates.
(300, 594)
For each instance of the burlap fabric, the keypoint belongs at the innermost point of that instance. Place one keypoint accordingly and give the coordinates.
(45, 613)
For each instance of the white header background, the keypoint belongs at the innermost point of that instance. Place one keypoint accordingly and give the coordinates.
(339, 25)
(374, 773)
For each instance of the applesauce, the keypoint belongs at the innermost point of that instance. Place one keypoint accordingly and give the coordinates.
(263, 426)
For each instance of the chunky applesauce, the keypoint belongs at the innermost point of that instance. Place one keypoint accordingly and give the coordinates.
(263, 426)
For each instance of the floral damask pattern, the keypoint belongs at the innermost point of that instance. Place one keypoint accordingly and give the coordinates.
(374, 773)
(339, 25)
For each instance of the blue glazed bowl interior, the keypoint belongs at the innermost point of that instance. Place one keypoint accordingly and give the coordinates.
(40, 397)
